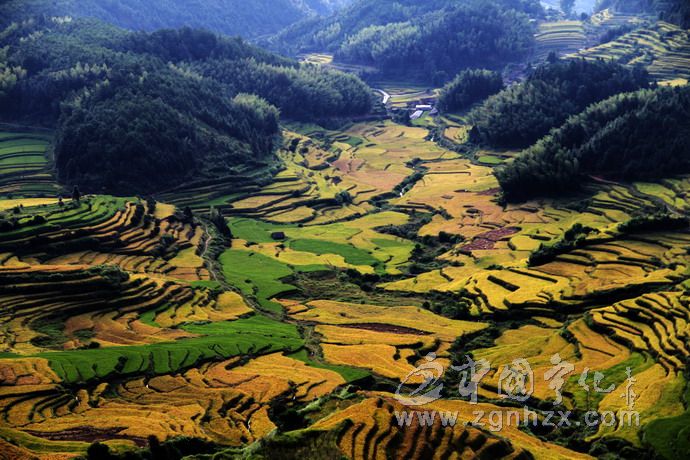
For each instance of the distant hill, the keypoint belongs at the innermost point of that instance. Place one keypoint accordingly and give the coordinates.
(247, 18)
(581, 6)
(429, 40)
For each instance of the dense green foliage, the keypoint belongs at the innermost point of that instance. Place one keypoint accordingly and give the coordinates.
(303, 93)
(641, 135)
(231, 17)
(523, 113)
(141, 112)
(318, 34)
(8, 74)
(469, 87)
(420, 39)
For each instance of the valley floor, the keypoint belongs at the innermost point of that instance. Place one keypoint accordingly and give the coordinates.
(373, 251)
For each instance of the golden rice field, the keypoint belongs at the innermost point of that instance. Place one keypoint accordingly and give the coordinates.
(121, 320)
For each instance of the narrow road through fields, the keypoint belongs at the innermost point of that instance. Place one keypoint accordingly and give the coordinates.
(386, 96)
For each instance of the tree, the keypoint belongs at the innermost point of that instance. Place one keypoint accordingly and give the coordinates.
(216, 217)
(567, 6)
(76, 194)
(98, 451)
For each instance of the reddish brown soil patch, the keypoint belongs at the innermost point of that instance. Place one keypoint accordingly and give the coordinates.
(87, 434)
(490, 192)
(389, 328)
(487, 241)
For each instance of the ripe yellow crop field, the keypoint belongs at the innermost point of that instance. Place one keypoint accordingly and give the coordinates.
(535, 344)
(457, 134)
(658, 395)
(274, 369)
(373, 427)
(348, 336)
(187, 258)
(597, 351)
(385, 360)
(6, 204)
(120, 321)
(411, 318)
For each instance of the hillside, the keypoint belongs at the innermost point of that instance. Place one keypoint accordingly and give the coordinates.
(138, 112)
(427, 41)
(523, 113)
(636, 136)
(230, 17)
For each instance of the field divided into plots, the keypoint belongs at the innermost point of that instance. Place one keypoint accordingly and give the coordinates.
(371, 248)
(24, 164)
(663, 49)
(561, 38)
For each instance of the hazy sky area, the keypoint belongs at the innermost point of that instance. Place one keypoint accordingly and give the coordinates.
(581, 6)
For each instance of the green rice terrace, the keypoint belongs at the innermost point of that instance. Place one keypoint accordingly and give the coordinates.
(273, 310)
(24, 164)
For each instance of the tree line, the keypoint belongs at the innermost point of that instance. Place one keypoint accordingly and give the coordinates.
(443, 42)
(231, 17)
(522, 114)
(632, 136)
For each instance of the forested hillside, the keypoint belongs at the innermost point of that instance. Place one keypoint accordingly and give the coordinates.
(523, 113)
(140, 112)
(425, 40)
(469, 87)
(231, 17)
(641, 135)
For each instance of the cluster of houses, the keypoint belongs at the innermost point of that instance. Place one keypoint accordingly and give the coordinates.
(417, 110)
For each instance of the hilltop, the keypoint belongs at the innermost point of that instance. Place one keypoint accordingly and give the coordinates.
(230, 17)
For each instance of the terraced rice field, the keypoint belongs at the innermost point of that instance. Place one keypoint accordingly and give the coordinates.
(663, 49)
(121, 320)
(369, 429)
(562, 38)
(24, 164)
